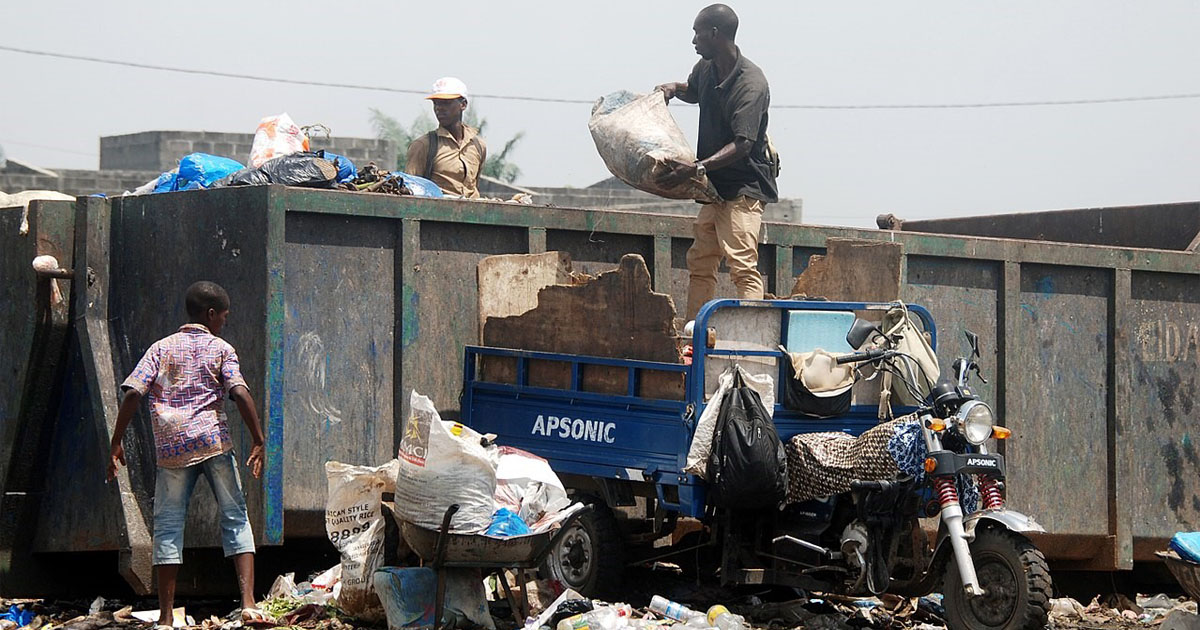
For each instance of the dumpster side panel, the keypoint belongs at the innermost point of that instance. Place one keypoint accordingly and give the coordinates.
(161, 245)
(1058, 455)
(50, 227)
(439, 298)
(962, 294)
(1160, 441)
(339, 359)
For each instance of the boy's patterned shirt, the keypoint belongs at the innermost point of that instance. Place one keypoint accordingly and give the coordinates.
(185, 378)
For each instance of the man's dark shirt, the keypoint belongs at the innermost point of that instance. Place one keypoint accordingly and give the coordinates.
(735, 107)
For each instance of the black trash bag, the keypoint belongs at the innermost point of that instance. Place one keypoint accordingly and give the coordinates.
(748, 466)
(569, 608)
(297, 169)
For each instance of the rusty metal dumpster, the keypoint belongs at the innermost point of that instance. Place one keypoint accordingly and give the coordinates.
(343, 302)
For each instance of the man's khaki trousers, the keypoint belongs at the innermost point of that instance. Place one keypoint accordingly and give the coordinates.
(729, 230)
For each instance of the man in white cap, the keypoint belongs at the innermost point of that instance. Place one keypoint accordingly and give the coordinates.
(453, 154)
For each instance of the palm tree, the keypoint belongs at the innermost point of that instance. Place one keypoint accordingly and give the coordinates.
(498, 165)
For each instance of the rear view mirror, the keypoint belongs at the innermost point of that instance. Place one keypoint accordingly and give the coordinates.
(973, 339)
(861, 332)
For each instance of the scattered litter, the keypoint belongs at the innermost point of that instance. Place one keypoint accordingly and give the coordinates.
(544, 618)
(373, 179)
(17, 615)
(179, 617)
(297, 169)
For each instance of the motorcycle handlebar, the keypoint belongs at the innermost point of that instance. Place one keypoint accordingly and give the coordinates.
(859, 357)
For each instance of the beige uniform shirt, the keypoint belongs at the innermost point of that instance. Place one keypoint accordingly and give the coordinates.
(457, 164)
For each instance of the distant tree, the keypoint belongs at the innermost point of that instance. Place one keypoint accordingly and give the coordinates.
(498, 165)
(3, 159)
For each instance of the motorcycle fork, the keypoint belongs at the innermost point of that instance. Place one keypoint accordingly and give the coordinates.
(952, 518)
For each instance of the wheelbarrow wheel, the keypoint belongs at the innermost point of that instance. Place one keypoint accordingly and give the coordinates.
(589, 557)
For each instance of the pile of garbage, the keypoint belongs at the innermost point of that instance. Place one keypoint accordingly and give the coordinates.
(1159, 610)
(445, 474)
(281, 154)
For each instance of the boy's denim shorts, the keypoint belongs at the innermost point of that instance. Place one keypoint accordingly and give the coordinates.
(173, 491)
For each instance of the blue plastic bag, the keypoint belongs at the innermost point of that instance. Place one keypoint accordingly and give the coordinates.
(21, 617)
(166, 182)
(507, 523)
(200, 170)
(419, 186)
(346, 168)
(1187, 545)
(407, 595)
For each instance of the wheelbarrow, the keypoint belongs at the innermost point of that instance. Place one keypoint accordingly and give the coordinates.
(441, 550)
(1186, 573)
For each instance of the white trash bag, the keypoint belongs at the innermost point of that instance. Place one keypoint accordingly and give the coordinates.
(526, 485)
(355, 525)
(637, 138)
(276, 136)
(442, 463)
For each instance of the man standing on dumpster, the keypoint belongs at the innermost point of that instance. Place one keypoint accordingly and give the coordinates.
(732, 147)
(452, 155)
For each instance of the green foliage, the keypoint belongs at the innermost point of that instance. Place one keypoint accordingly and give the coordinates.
(498, 165)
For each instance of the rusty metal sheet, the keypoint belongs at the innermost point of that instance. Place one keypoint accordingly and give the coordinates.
(1159, 442)
(1059, 450)
(339, 354)
(962, 294)
(438, 302)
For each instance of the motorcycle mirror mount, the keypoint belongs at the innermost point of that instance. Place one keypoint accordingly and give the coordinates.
(861, 332)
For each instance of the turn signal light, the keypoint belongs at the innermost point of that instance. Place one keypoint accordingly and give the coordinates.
(1001, 433)
(937, 424)
(930, 465)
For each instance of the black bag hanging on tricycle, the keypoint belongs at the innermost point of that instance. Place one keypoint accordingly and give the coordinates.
(748, 466)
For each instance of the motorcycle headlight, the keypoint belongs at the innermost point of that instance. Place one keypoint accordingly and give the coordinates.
(975, 420)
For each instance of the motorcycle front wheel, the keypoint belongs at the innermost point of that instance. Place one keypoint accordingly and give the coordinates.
(1014, 577)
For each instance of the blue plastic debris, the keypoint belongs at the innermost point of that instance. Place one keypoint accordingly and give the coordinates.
(1187, 545)
(419, 186)
(18, 615)
(200, 170)
(408, 595)
(506, 523)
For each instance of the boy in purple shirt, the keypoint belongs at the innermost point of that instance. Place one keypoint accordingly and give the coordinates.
(185, 378)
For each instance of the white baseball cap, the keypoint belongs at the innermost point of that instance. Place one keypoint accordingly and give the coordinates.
(448, 87)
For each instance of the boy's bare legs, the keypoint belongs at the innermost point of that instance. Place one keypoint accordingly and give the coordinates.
(245, 573)
(166, 593)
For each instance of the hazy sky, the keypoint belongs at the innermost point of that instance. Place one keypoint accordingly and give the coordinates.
(847, 165)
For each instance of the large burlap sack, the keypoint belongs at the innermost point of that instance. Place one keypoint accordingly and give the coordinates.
(354, 523)
(443, 463)
(637, 138)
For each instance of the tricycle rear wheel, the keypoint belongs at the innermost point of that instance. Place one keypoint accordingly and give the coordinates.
(589, 557)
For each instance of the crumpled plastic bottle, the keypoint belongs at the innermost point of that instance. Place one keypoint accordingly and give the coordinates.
(720, 617)
(613, 617)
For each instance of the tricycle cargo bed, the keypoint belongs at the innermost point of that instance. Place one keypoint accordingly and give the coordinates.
(634, 436)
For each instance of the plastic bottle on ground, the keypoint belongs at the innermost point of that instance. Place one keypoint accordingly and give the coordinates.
(720, 617)
(667, 608)
(605, 618)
